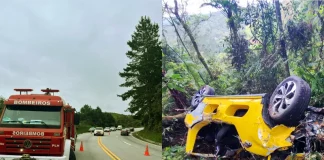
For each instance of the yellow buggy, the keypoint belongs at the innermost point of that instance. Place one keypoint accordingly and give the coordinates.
(255, 125)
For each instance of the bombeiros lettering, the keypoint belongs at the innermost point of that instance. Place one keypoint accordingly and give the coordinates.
(25, 102)
(27, 133)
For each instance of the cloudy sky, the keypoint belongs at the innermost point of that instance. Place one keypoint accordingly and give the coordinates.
(76, 46)
(193, 6)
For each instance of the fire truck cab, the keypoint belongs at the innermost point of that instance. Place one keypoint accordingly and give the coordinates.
(37, 126)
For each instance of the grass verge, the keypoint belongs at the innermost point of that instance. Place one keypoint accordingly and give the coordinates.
(149, 136)
(82, 128)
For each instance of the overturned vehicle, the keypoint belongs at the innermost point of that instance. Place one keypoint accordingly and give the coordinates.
(258, 126)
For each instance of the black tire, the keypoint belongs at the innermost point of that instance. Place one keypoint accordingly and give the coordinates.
(198, 97)
(72, 155)
(289, 108)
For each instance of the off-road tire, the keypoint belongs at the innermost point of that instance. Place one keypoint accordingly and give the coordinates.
(72, 155)
(295, 92)
(198, 97)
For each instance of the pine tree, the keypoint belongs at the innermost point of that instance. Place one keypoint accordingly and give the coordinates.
(1, 103)
(143, 74)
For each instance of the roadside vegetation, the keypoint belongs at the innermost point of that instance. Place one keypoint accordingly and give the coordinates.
(149, 136)
(94, 117)
(1, 103)
(237, 50)
(143, 78)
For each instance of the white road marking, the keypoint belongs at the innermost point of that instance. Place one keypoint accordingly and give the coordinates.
(126, 143)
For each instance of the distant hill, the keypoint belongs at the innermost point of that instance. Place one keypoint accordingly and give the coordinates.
(209, 35)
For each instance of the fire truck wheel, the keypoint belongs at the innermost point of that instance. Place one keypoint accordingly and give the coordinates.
(72, 155)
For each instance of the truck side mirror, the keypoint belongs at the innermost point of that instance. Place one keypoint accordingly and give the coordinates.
(76, 119)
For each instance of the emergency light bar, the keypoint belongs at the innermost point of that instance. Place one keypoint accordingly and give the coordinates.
(48, 91)
(23, 90)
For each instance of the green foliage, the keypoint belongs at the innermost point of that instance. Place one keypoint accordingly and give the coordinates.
(1, 103)
(83, 128)
(306, 30)
(95, 117)
(126, 120)
(174, 152)
(173, 81)
(143, 74)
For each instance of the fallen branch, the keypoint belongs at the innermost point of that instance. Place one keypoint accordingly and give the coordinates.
(178, 116)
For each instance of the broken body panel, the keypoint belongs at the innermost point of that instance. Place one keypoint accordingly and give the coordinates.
(40, 125)
(255, 135)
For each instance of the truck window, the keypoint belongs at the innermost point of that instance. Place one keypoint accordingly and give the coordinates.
(31, 116)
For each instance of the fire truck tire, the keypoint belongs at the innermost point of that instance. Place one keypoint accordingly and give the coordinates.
(289, 101)
(72, 155)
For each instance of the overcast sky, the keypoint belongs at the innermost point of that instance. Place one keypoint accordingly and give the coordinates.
(76, 46)
(193, 6)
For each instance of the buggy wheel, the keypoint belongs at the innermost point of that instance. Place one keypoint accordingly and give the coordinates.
(199, 96)
(289, 101)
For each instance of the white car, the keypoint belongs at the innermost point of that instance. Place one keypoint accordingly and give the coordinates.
(107, 129)
(99, 131)
(119, 127)
(113, 129)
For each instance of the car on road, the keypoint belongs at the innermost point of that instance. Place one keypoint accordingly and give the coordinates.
(113, 128)
(107, 129)
(92, 129)
(119, 127)
(131, 129)
(124, 132)
(99, 131)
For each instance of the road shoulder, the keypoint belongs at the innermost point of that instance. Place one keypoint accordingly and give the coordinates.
(136, 136)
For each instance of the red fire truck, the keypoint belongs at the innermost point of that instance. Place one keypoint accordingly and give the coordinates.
(37, 126)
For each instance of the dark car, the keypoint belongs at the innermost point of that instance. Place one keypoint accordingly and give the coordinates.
(124, 132)
(131, 129)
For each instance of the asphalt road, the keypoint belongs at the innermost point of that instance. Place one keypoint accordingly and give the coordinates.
(115, 147)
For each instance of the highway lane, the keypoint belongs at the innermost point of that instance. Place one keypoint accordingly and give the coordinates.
(91, 148)
(116, 146)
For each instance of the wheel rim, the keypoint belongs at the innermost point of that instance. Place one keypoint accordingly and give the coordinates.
(197, 99)
(283, 98)
(199, 96)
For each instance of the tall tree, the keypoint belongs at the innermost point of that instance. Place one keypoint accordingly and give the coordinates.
(282, 43)
(179, 17)
(143, 74)
(1, 103)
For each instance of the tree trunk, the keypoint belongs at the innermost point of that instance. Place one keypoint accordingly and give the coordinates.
(192, 39)
(282, 42)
